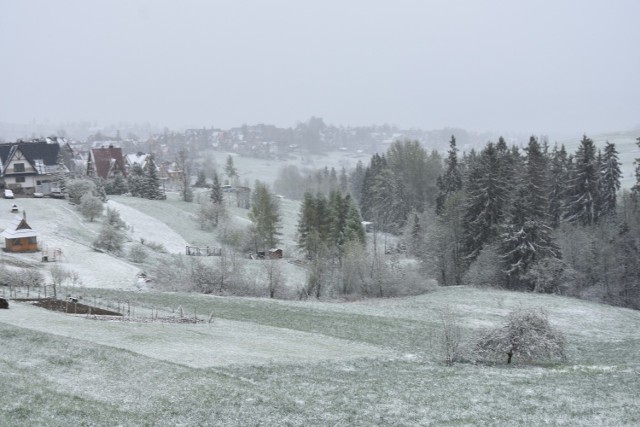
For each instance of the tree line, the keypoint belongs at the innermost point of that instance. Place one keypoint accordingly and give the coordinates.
(511, 218)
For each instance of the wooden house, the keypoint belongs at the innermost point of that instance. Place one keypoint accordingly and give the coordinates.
(19, 236)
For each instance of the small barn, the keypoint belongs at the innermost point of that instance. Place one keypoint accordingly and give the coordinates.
(19, 236)
(275, 253)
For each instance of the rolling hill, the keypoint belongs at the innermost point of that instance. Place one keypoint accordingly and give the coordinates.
(251, 361)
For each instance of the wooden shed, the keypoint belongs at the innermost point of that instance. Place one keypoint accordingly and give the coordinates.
(19, 236)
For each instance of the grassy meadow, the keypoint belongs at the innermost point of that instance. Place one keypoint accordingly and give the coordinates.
(261, 362)
(265, 362)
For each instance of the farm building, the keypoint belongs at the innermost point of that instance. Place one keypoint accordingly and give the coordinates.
(19, 236)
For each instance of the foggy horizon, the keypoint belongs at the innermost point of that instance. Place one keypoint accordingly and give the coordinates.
(566, 68)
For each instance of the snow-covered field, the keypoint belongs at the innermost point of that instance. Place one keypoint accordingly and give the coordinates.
(219, 343)
(265, 362)
(270, 362)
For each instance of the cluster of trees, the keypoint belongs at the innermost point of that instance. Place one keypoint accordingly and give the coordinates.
(397, 183)
(327, 226)
(339, 263)
(511, 219)
(144, 182)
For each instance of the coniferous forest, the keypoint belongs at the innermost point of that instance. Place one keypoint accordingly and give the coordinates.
(533, 218)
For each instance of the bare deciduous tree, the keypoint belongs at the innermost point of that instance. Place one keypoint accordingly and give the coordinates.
(526, 334)
(450, 336)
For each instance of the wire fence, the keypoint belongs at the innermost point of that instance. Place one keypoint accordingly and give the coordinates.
(70, 300)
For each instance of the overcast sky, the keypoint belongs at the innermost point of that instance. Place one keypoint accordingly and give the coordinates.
(531, 66)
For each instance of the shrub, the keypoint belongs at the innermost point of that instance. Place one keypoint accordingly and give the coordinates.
(526, 334)
(110, 239)
(138, 254)
(90, 206)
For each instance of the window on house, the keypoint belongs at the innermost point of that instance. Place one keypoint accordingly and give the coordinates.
(20, 179)
(18, 167)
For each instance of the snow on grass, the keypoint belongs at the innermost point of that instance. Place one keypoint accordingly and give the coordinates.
(59, 226)
(597, 385)
(144, 227)
(251, 169)
(220, 343)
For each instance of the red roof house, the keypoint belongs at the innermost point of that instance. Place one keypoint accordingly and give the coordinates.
(106, 162)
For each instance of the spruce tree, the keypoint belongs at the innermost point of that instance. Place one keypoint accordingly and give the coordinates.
(527, 235)
(153, 190)
(356, 180)
(451, 180)
(136, 181)
(377, 164)
(307, 225)
(584, 186)
(558, 179)
(610, 174)
(487, 192)
(217, 196)
(353, 229)
(265, 214)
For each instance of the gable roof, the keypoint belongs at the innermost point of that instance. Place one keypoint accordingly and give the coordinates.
(18, 228)
(32, 151)
(139, 158)
(105, 159)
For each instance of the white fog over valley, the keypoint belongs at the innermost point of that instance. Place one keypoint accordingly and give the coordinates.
(319, 213)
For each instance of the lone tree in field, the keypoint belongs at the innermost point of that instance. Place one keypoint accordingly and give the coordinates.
(526, 334)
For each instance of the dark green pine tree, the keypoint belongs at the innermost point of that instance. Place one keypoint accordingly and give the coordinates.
(343, 181)
(307, 234)
(558, 179)
(487, 193)
(610, 174)
(217, 196)
(353, 231)
(583, 189)
(527, 236)
(356, 180)
(153, 189)
(377, 164)
(265, 214)
(337, 220)
(314, 228)
(536, 181)
(451, 180)
(119, 185)
(136, 181)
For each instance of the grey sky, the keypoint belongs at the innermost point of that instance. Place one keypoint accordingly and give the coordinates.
(531, 66)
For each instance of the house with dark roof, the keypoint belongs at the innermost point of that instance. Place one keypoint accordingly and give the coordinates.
(106, 162)
(29, 167)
